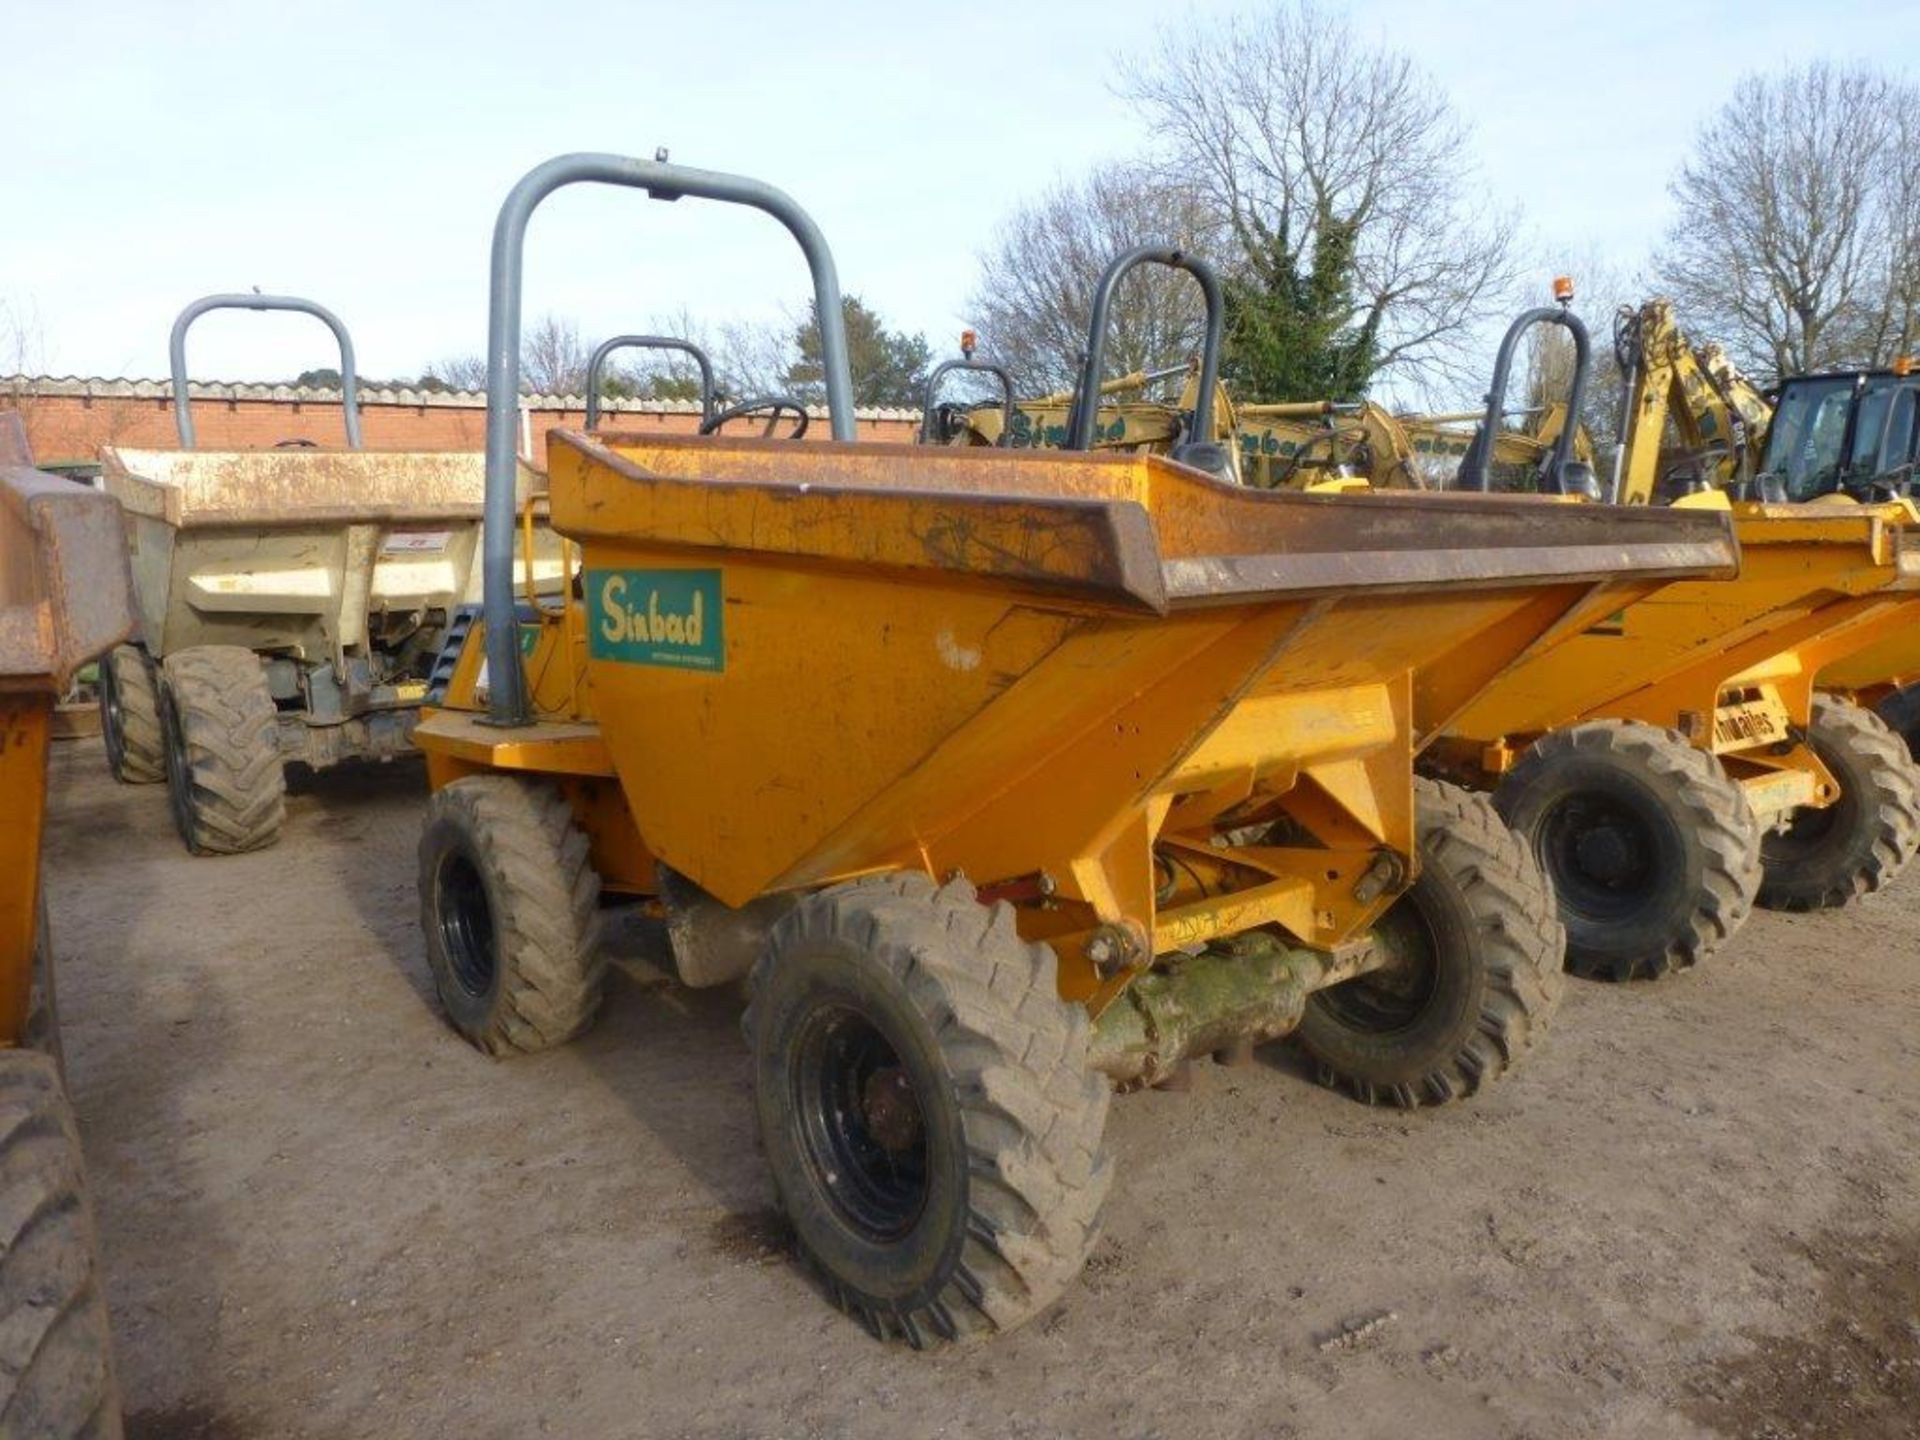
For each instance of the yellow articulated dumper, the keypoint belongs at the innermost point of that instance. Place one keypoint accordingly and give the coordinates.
(64, 599)
(1004, 777)
(1668, 758)
(1674, 762)
(1820, 439)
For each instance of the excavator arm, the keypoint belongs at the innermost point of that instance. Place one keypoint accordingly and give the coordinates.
(1720, 417)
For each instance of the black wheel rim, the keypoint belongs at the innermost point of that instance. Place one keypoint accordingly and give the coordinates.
(1394, 997)
(862, 1127)
(465, 919)
(1601, 855)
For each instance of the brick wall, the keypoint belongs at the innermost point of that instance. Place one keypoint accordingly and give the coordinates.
(71, 420)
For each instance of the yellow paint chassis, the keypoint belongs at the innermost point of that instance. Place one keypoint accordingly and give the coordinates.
(1732, 663)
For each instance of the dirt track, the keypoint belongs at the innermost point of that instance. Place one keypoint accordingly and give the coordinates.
(1694, 1211)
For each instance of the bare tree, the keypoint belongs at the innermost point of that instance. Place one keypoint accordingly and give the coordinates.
(1037, 279)
(1896, 325)
(1283, 117)
(749, 357)
(457, 372)
(553, 361)
(553, 357)
(1792, 230)
(22, 354)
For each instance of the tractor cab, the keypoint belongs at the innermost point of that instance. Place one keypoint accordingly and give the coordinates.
(1847, 433)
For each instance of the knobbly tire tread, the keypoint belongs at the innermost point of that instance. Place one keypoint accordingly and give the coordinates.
(1033, 1113)
(1713, 813)
(136, 750)
(544, 896)
(1517, 929)
(1863, 737)
(56, 1358)
(222, 718)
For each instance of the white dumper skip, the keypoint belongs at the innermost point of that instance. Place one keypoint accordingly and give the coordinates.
(291, 605)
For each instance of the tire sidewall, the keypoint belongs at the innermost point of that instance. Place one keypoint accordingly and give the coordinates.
(450, 834)
(173, 742)
(1847, 846)
(110, 706)
(1435, 1036)
(813, 975)
(1661, 912)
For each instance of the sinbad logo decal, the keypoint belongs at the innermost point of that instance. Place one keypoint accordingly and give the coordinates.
(656, 617)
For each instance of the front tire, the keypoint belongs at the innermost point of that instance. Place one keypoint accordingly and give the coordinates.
(225, 775)
(1825, 858)
(509, 906)
(1650, 846)
(130, 717)
(926, 1107)
(56, 1356)
(1475, 978)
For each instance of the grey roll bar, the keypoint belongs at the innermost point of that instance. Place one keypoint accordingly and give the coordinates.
(1476, 465)
(1086, 396)
(177, 354)
(597, 368)
(978, 367)
(507, 688)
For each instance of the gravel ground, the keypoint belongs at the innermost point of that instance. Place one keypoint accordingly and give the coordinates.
(1694, 1211)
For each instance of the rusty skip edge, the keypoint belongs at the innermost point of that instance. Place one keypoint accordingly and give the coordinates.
(66, 590)
(1221, 577)
(1108, 549)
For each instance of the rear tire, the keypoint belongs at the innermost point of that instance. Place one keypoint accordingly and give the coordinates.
(1825, 858)
(130, 717)
(225, 774)
(926, 1107)
(1478, 976)
(1648, 843)
(1901, 711)
(509, 905)
(56, 1355)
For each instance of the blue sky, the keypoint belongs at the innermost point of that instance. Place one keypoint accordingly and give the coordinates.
(357, 152)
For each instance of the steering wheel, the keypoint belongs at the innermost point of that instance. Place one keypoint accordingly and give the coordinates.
(774, 406)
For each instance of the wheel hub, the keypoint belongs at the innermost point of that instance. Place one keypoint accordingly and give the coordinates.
(863, 1125)
(892, 1114)
(1607, 853)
